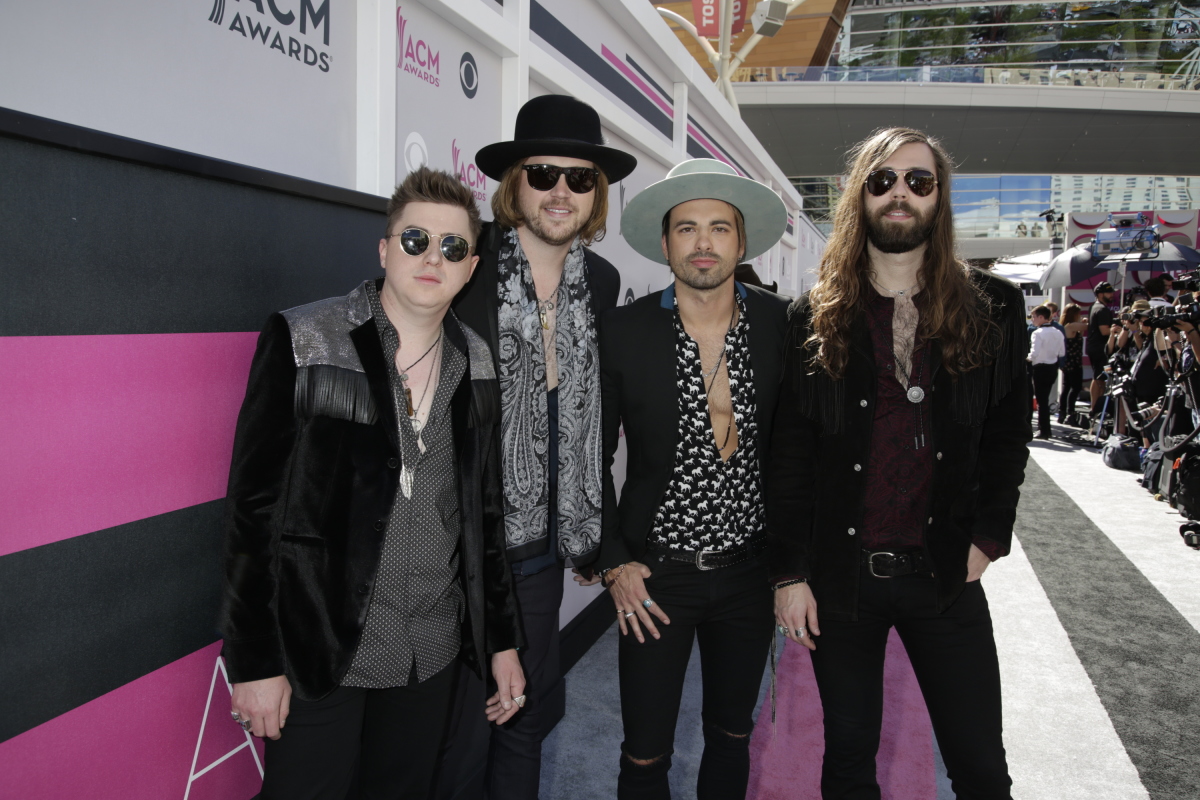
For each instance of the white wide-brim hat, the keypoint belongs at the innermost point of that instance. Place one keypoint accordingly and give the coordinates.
(704, 179)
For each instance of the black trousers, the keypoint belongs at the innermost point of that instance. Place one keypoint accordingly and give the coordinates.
(954, 657)
(515, 755)
(730, 610)
(1072, 385)
(361, 743)
(1044, 376)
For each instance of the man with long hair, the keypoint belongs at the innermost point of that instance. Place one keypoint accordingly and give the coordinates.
(899, 445)
(536, 297)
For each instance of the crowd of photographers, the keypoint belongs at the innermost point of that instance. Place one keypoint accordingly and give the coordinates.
(1144, 356)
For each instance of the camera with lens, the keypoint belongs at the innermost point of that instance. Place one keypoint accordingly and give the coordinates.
(1188, 281)
(1166, 316)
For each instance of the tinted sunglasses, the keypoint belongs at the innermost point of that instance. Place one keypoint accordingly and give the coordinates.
(921, 181)
(544, 177)
(416, 241)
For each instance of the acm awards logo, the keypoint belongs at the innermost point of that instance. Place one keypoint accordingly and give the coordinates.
(468, 173)
(254, 29)
(417, 58)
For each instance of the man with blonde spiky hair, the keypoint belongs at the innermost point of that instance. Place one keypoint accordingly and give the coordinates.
(900, 440)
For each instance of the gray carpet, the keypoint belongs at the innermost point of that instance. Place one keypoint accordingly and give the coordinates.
(1135, 657)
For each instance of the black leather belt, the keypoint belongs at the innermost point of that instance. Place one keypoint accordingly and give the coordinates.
(886, 564)
(712, 559)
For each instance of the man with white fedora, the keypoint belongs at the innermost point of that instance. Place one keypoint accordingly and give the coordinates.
(692, 374)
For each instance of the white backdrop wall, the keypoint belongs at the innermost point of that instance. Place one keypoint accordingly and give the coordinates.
(355, 93)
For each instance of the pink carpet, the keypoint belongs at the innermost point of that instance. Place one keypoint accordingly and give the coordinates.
(787, 764)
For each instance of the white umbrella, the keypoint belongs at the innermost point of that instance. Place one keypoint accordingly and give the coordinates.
(1023, 269)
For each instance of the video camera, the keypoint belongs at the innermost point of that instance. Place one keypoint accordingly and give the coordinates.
(1128, 232)
(1165, 317)
(1188, 281)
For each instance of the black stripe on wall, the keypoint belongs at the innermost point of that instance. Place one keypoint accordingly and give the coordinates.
(1140, 653)
(560, 37)
(97, 245)
(42, 129)
(84, 616)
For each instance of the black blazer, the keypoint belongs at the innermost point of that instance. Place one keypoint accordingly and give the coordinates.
(316, 465)
(823, 435)
(637, 377)
(476, 305)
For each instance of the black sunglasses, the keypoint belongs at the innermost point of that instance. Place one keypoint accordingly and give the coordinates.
(416, 241)
(544, 177)
(921, 181)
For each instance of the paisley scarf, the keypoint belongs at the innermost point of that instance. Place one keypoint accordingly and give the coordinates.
(524, 424)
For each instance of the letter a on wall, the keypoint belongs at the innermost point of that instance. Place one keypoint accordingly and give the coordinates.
(221, 741)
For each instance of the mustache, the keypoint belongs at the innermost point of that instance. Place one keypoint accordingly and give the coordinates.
(897, 205)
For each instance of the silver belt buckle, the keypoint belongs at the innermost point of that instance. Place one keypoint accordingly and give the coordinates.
(700, 558)
(871, 562)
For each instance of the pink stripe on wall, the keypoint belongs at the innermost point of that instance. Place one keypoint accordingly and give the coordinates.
(139, 742)
(637, 81)
(786, 763)
(97, 431)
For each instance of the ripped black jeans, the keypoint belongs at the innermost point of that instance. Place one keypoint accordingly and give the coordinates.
(730, 609)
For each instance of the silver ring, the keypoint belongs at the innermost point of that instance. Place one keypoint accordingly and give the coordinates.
(782, 629)
(647, 603)
(245, 725)
(520, 701)
(628, 614)
(800, 632)
(236, 716)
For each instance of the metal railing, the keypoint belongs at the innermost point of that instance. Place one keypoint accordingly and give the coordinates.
(1001, 75)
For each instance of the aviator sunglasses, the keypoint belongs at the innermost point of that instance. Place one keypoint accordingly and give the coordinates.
(921, 181)
(544, 177)
(416, 241)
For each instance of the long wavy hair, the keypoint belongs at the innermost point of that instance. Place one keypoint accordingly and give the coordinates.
(506, 203)
(955, 312)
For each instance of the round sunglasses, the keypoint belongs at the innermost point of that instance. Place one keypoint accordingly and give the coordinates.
(544, 177)
(920, 181)
(416, 241)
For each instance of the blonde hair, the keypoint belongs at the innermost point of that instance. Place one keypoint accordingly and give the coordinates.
(506, 204)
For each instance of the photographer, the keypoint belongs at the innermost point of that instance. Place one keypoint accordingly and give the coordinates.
(1100, 328)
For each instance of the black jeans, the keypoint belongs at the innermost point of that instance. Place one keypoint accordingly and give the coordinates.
(730, 610)
(1072, 385)
(391, 736)
(1044, 376)
(954, 657)
(515, 755)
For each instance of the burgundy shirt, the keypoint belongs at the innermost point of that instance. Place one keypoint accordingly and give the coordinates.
(900, 464)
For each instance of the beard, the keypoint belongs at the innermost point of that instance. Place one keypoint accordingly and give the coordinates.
(552, 232)
(893, 237)
(711, 278)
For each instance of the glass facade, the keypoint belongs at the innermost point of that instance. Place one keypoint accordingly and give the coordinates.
(1152, 35)
(1009, 206)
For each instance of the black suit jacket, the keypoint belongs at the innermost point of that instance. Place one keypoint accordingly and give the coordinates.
(316, 465)
(823, 439)
(637, 376)
(476, 305)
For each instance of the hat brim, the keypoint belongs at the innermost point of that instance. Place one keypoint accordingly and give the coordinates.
(762, 210)
(496, 158)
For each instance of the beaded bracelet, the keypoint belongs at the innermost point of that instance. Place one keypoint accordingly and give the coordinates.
(792, 582)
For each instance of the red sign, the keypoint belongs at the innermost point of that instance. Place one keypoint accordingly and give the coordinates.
(707, 14)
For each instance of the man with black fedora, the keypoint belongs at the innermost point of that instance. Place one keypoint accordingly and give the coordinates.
(692, 373)
(536, 297)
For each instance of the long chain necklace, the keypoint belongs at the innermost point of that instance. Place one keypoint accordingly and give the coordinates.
(544, 307)
(713, 373)
(404, 378)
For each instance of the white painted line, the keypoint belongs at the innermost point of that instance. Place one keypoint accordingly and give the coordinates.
(1061, 744)
(1144, 529)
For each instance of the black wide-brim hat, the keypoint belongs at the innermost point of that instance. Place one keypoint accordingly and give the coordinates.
(556, 125)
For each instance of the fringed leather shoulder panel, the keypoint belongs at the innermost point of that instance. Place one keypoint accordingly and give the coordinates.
(321, 330)
(483, 368)
(329, 391)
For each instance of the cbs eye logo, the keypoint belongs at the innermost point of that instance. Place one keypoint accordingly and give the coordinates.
(468, 75)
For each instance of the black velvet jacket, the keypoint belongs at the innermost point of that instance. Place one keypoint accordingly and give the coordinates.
(316, 466)
(822, 433)
(637, 377)
(476, 305)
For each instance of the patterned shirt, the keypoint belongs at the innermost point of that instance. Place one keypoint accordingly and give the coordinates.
(417, 603)
(712, 504)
